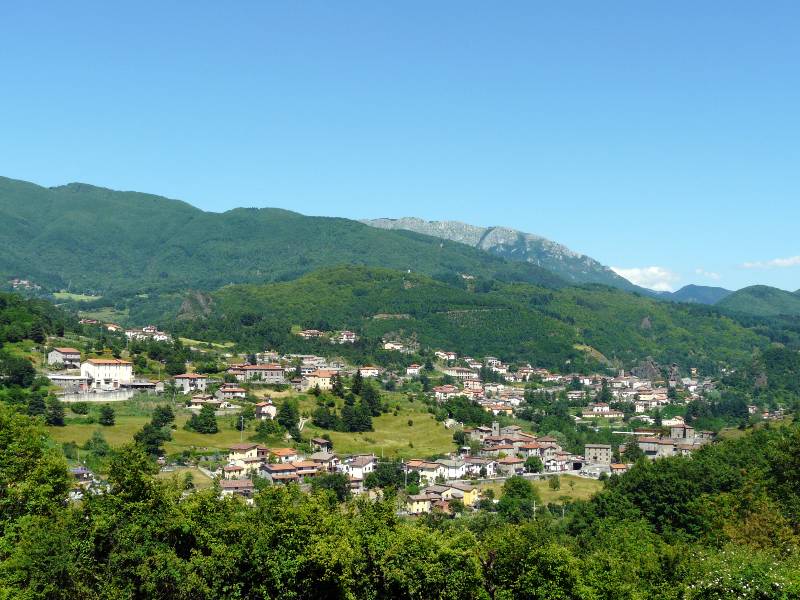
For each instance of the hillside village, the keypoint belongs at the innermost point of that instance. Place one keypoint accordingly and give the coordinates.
(627, 404)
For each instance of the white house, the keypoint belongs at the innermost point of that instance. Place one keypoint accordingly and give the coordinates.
(370, 371)
(454, 469)
(413, 370)
(445, 392)
(266, 411)
(358, 467)
(70, 358)
(107, 373)
(230, 392)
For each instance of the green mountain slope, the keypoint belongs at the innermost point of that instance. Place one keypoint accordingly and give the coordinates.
(516, 321)
(515, 245)
(699, 294)
(762, 301)
(88, 238)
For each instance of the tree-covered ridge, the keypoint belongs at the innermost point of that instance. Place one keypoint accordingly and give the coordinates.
(22, 318)
(83, 237)
(762, 301)
(515, 321)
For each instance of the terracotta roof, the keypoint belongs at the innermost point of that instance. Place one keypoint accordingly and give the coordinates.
(108, 361)
(190, 376)
(242, 446)
(235, 484)
(283, 451)
(280, 467)
(67, 350)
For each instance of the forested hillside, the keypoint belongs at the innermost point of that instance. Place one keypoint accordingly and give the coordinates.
(517, 321)
(84, 238)
(762, 301)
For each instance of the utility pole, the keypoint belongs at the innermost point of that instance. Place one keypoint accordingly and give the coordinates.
(241, 428)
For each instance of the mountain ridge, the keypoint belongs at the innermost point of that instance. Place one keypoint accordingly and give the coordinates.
(762, 301)
(516, 245)
(88, 238)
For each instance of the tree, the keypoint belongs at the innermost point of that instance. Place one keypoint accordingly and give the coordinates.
(288, 415)
(533, 464)
(107, 415)
(36, 405)
(204, 422)
(554, 483)
(80, 408)
(632, 452)
(371, 399)
(518, 500)
(357, 383)
(335, 482)
(151, 438)
(97, 445)
(32, 471)
(54, 413)
(162, 416)
(337, 386)
(16, 371)
(604, 395)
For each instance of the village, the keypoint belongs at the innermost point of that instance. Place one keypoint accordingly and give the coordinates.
(490, 452)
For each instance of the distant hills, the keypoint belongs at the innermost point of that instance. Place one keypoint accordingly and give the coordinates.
(567, 328)
(85, 238)
(699, 294)
(517, 246)
(762, 301)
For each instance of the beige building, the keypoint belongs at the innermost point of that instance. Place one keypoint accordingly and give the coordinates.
(321, 377)
(107, 373)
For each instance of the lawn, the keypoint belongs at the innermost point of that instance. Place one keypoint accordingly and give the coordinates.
(581, 488)
(200, 344)
(131, 416)
(75, 297)
(201, 480)
(105, 315)
(392, 435)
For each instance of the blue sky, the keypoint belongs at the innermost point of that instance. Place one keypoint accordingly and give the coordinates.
(659, 138)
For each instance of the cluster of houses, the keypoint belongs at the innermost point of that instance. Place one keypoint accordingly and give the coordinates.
(336, 337)
(149, 332)
(23, 284)
(442, 481)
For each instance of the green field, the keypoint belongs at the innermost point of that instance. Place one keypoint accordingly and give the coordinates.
(131, 416)
(200, 343)
(74, 297)
(392, 435)
(201, 480)
(581, 489)
(106, 314)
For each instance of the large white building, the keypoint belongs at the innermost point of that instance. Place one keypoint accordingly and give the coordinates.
(107, 373)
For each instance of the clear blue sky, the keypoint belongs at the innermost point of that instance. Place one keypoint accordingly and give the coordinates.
(647, 135)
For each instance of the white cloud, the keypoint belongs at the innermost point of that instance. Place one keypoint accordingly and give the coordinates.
(779, 263)
(655, 278)
(707, 274)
